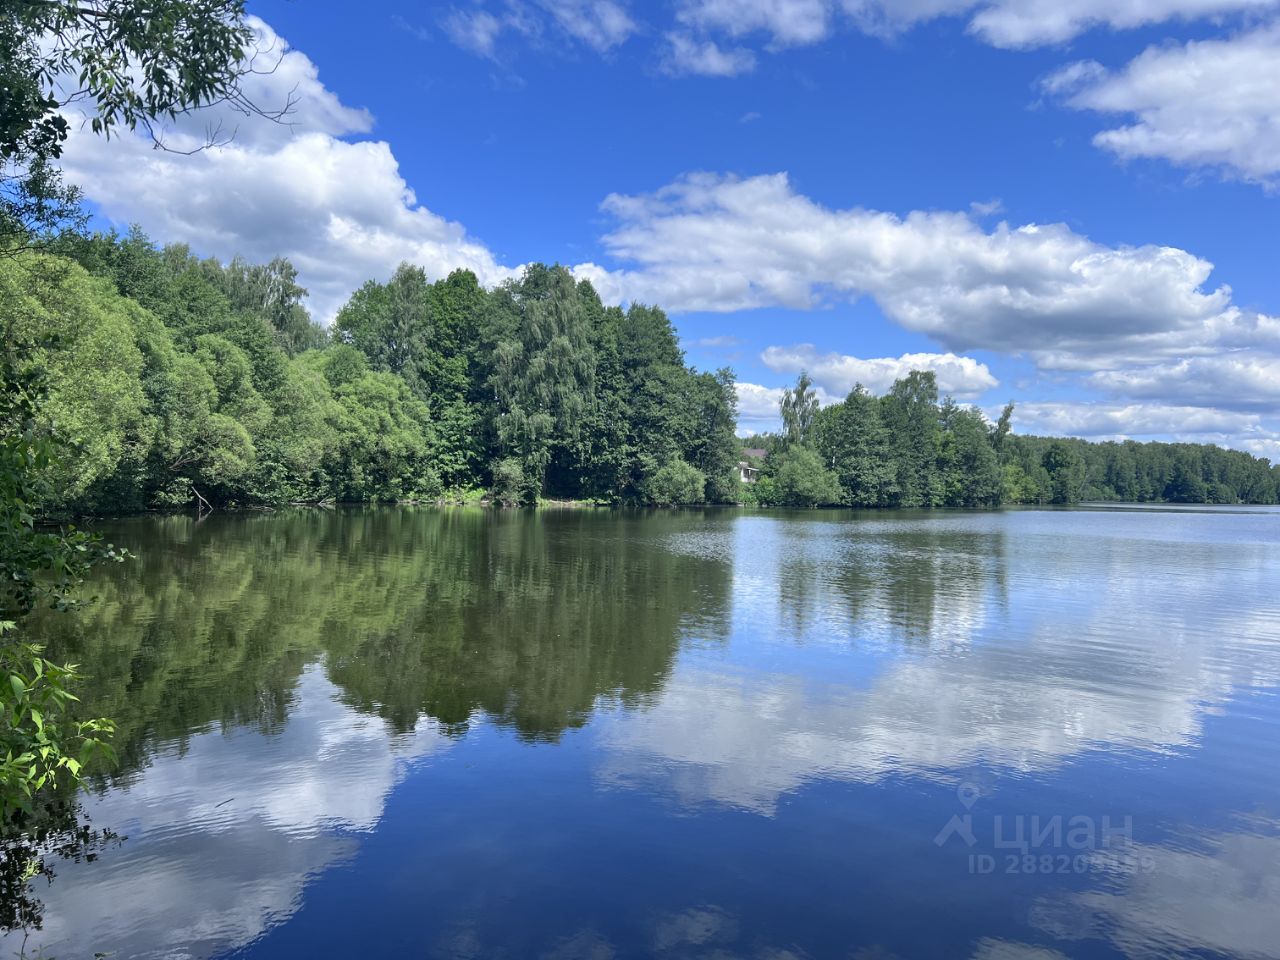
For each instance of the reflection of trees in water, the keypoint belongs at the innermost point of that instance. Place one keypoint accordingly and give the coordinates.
(530, 617)
(921, 582)
(544, 614)
(31, 842)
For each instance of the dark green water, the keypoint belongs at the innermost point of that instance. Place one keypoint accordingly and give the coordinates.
(422, 733)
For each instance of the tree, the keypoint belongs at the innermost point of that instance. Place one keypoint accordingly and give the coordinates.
(801, 480)
(271, 291)
(136, 63)
(851, 437)
(41, 747)
(543, 369)
(676, 482)
(1066, 472)
(799, 406)
(1000, 432)
(910, 413)
(967, 461)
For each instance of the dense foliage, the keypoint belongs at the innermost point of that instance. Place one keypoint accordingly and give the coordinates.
(42, 748)
(191, 381)
(908, 449)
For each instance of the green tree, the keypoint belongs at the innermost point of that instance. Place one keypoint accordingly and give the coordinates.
(42, 748)
(851, 437)
(910, 414)
(676, 482)
(542, 369)
(801, 480)
(271, 291)
(136, 63)
(1066, 470)
(799, 407)
(968, 464)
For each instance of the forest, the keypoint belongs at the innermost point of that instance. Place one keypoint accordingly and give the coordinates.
(188, 381)
(185, 381)
(910, 449)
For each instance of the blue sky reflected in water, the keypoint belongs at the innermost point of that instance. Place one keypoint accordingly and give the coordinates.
(843, 687)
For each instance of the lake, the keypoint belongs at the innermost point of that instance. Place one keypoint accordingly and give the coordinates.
(593, 734)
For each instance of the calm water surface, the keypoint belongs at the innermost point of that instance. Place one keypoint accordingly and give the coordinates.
(422, 733)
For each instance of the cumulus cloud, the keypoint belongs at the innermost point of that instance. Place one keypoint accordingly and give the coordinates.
(1239, 380)
(1145, 321)
(340, 210)
(962, 377)
(721, 243)
(1208, 103)
(1107, 419)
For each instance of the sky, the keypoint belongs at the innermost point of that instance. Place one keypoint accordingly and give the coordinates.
(1070, 204)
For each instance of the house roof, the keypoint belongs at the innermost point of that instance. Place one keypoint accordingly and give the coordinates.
(755, 453)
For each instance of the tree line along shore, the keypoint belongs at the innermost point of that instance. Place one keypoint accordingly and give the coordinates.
(188, 381)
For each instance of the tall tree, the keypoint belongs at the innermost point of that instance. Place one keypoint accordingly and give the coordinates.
(910, 413)
(799, 406)
(542, 370)
(853, 441)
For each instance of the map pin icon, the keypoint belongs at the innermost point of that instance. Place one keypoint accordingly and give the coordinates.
(968, 794)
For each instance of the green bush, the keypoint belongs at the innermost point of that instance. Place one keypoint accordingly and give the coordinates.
(803, 481)
(508, 481)
(676, 482)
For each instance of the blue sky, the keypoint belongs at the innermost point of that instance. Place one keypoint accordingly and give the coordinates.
(1068, 203)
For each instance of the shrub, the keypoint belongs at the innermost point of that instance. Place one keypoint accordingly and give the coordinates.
(676, 482)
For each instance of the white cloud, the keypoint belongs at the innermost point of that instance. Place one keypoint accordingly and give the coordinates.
(962, 377)
(756, 402)
(339, 210)
(1208, 103)
(721, 243)
(1235, 380)
(788, 22)
(1267, 447)
(476, 31)
(600, 25)
(688, 55)
(1105, 419)
(1002, 23)
(1026, 23)
(1126, 419)
(758, 407)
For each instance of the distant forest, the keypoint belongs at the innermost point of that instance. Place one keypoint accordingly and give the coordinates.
(908, 449)
(186, 380)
